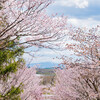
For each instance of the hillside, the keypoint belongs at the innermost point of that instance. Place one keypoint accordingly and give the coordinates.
(48, 71)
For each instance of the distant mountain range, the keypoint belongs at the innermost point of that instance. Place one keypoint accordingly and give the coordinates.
(44, 65)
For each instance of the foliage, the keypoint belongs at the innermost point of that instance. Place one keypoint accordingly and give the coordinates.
(10, 60)
(24, 23)
(12, 94)
(23, 84)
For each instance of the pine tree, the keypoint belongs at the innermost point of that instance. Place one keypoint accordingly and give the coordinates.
(10, 62)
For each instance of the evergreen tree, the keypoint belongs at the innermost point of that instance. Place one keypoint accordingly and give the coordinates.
(10, 62)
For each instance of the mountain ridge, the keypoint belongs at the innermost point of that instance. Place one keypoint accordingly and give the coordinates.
(43, 65)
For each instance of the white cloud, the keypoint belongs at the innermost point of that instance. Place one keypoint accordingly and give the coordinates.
(89, 22)
(46, 55)
(70, 3)
(40, 59)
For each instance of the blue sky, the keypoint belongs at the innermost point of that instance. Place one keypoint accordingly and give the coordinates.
(85, 11)
(82, 13)
(76, 8)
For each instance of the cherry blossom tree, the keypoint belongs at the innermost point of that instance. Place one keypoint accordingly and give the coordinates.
(77, 84)
(80, 80)
(24, 23)
(86, 46)
(28, 21)
(63, 89)
(26, 79)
